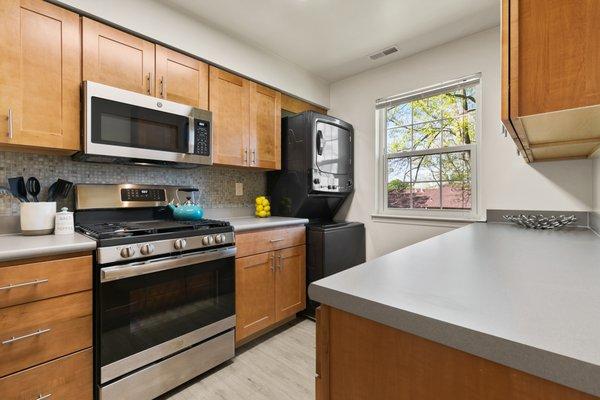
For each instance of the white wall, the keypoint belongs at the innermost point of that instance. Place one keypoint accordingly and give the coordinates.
(507, 181)
(595, 218)
(167, 25)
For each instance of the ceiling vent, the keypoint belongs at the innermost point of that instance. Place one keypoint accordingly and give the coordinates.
(383, 53)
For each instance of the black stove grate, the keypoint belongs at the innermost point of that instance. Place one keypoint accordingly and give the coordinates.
(105, 230)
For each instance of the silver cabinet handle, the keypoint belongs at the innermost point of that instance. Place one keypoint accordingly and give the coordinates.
(162, 87)
(280, 263)
(148, 82)
(245, 155)
(272, 257)
(275, 240)
(254, 156)
(32, 334)
(43, 396)
(18, 285)
(10, 124)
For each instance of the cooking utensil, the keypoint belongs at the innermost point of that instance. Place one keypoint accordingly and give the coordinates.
(52, 192)
(33, 188)
(60, 188)
(63, 188)
(17, 188)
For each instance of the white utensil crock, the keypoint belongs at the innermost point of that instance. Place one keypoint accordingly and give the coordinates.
(37, 218)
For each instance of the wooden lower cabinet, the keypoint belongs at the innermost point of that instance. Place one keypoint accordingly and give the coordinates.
(270, 280)
(68, 378)
(46, 328)
(360, 359)
(255, 302)
(290, 281)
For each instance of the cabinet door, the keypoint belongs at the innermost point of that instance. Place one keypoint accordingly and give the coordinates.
(265, 127)
(116, 58)
(254, 294)
(181, 78)
(229, 102)
(40, 75)
(290, 281)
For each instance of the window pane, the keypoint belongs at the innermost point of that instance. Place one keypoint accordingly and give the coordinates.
(456, 166)
(399, 139)
(456, 195)
(425, 168)
(399, 115)
(399, 169)
(426, 195)
(398, 196)
(426, 136)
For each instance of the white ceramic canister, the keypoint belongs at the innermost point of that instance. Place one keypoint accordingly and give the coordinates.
(64, 224)
(38, 218)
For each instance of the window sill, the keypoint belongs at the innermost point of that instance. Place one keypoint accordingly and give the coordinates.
(451, 222)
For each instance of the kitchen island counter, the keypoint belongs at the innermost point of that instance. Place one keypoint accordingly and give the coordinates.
(525, 299)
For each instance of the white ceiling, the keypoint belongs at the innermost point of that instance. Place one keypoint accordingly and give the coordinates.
(333, 38)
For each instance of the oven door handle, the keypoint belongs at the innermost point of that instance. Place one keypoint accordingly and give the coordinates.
(117, 272)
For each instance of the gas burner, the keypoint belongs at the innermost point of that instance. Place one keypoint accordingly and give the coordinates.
(107, 230)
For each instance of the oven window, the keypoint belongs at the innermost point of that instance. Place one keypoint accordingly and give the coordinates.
(140, 312)
(126, 125)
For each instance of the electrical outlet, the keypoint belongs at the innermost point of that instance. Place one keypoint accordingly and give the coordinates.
(239, 189)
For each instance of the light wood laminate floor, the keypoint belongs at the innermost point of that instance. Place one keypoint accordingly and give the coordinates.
(279, 366)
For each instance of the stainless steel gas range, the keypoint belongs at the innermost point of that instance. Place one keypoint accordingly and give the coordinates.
(164, 290)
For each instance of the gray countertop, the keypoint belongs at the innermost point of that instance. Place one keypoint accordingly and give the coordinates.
(526, 299)
(17, 246)
(250, 223)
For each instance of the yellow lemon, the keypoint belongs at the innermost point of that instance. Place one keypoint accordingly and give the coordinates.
(262, 214)
(265, 202)
(259, 208)
(267, 208)
(258, 200)
(268, 214)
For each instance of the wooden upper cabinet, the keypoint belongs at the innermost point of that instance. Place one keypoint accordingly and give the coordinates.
(116, 58)
(551, 77)
(254, 296)
(180, 78)
(230, 104)
(265, 127)
(40, 75)
(292, 105)
(290, 284)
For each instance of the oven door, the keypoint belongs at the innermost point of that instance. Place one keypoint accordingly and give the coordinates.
(129, 125)
(149, 310)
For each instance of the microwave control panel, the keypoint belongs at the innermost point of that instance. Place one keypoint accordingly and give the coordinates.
(201, 137)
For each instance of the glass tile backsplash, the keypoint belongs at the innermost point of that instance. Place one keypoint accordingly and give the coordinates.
(216, 184)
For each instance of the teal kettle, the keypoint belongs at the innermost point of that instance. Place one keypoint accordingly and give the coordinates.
(188, 211)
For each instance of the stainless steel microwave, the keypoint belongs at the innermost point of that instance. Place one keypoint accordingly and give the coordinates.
(126, 127)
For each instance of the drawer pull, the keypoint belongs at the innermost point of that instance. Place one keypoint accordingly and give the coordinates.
(275, 240)
(18, 285)
(43, 396)
(16, 338)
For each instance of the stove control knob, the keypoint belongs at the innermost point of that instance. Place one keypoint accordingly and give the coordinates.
(206, 240)
(147, 249)
(127, 252)
(219, 238)
(180, 244)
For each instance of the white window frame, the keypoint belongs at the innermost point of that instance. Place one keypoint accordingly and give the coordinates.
(383, 211)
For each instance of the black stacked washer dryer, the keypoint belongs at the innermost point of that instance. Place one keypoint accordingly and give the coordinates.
(316, 177)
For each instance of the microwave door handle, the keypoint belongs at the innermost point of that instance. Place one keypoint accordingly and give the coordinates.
(191, 136)
(320, 144)
(162, 264)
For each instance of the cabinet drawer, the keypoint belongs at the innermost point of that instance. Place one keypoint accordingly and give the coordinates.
(256, 242)
(68, 378)
(37, 332)
(24, 283)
